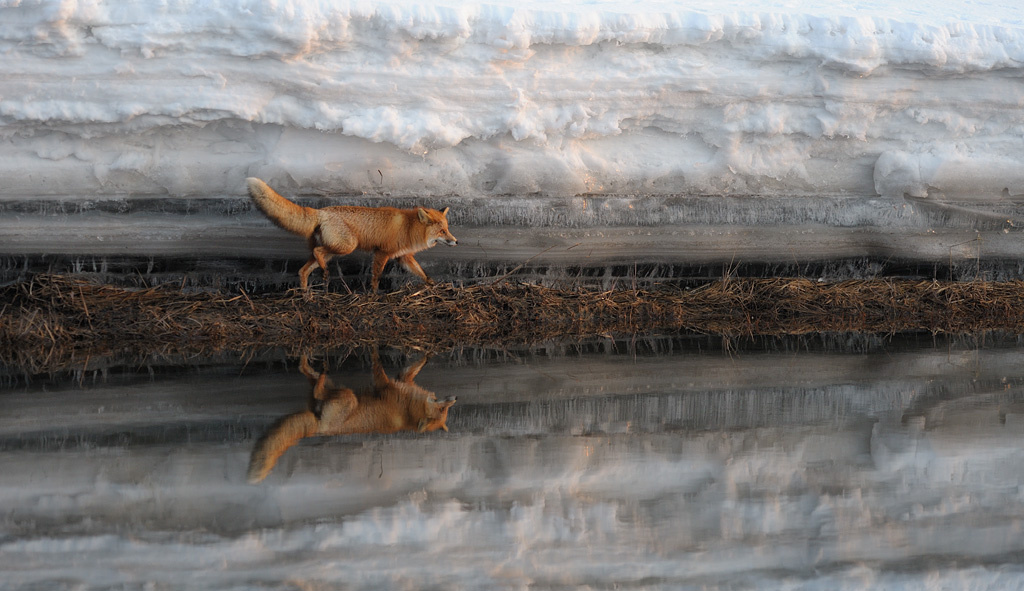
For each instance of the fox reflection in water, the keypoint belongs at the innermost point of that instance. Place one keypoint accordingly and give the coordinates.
(389, 406)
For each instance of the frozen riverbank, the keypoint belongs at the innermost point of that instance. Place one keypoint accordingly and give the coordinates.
(601, 241)
(784, 136)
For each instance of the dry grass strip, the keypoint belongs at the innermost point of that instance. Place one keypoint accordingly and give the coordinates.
(48, 320)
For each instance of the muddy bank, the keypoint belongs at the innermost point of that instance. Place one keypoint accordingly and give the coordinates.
(50, 322)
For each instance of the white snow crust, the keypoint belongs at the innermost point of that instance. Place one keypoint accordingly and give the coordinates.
(778, 97)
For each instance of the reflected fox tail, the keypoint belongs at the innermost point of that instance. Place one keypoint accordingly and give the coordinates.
(293, 217)
(282, 435)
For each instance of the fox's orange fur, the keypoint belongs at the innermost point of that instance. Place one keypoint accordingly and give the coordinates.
(390, 406)
(387, 232)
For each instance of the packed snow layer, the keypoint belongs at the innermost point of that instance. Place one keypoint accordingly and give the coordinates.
(895, 469)
(781, 97)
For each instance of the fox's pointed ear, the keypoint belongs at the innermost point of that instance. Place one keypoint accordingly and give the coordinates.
(422, 426)
(423, 215)
(444, 212)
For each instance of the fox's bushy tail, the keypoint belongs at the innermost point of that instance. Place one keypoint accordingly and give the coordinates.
(293, 217)
(283, 435)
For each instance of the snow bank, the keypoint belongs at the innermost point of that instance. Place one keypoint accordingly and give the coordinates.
(188, 98)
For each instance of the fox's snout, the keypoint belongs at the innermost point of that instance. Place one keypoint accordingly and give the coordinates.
(448, 238)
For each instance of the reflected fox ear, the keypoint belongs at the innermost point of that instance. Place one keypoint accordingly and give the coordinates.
(423, 215)
(444, 212)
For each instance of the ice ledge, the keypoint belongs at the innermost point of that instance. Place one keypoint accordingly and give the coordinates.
(949, 170)
(603, 239)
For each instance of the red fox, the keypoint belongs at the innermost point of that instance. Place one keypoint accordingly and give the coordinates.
(387, 232)
(390, 406)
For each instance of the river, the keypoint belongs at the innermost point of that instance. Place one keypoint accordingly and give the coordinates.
(684, 462)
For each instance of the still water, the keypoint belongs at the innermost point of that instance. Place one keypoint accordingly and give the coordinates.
(675, 463)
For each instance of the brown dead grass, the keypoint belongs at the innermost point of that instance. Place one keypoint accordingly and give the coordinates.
(49, 320)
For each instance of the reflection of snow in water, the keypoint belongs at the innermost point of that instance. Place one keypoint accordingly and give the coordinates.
(888, 469)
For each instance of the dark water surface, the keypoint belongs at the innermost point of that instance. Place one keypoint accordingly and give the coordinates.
(677, 463)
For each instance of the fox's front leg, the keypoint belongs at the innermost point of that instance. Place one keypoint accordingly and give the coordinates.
(379, 260)
(414, 267)
(380, 377)
(409, 374)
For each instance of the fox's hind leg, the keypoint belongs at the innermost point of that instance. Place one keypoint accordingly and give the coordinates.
(321, 252)
(308, 371)
(318, 259)
(304, 275)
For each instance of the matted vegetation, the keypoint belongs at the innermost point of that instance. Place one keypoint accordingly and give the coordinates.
(50, 322)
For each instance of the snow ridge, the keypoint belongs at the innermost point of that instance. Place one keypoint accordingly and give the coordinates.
(189, 98)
